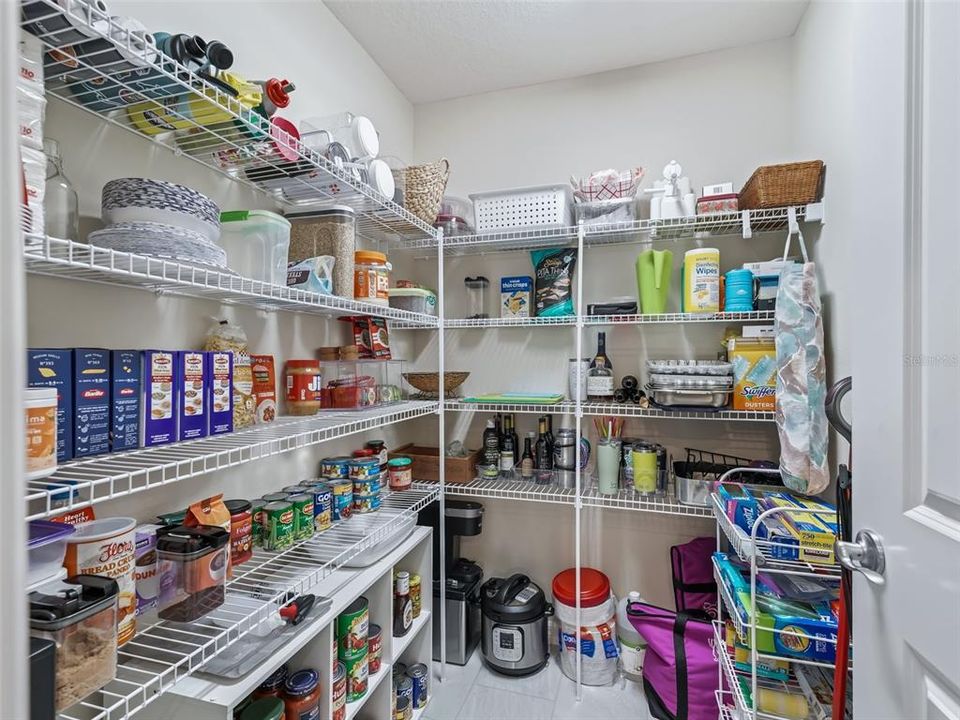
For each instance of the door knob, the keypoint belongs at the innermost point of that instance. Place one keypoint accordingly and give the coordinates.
(863, 555)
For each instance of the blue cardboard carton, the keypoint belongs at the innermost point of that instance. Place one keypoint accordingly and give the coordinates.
(91, 401)
(124, 400)
(220, 391)
(194, 413)
(48, 367)
(158, 387)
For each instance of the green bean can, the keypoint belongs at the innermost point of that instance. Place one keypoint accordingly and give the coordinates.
(279, 528)
(302, 515)
(256, 511)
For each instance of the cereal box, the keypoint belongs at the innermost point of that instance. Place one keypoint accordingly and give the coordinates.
(124, 399)
(192, 391)
(54, 368)
(264, 387)
(754, 373)
(91, 401)
(516, 294)
(220, 391)
(158, 416)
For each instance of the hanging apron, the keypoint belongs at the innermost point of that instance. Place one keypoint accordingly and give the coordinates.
(801, 377)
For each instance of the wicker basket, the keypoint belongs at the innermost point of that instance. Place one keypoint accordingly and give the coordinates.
(773, 186)
(424, 186)
(429, 382)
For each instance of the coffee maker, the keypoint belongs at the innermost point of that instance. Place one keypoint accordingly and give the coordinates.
(464, 518)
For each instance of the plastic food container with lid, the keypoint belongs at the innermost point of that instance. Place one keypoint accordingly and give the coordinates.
(598, 608)
(331, 231)
(40, 423)
(193, 571)
(371, 273)
(46, 548)
(418, 300)
(257, 243)
(80, 617)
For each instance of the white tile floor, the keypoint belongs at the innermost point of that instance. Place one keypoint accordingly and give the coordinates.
(474, 692)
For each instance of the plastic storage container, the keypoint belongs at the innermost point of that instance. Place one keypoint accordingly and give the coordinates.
(477, 297)
(361, 384)
(598, 621)
(46, 548)
(371, 273)
(40, 423)
(80, 617)
(418, 300)
(355, 133)
(546, 206)
(455, 216)
(332, 231)
(192, 572)
(257, 243)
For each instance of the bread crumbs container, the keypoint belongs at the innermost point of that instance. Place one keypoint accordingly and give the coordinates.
(194, 562)
(80, 616)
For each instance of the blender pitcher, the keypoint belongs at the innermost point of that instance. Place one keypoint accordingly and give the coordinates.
(653, 280)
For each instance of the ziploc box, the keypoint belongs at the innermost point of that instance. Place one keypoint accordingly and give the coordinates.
(220, 391)
(740, 505)
(754, 373)
(124, 400)
(516, 295)
(158, 387)
(192, 395)
(91, 401)
(54, 368)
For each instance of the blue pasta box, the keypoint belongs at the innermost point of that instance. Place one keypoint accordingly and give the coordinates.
(158, 390)
(192, 391)
(220, 391)
(124, 399)
(91, 401)
(48, 367)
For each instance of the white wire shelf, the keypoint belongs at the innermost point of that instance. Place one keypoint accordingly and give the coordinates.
(598, 320)
(128, 84)
(53, 257)
(625, 410)
(162, 654)
(743, 224)
(498, 322)
(627, 499)
(81, 483)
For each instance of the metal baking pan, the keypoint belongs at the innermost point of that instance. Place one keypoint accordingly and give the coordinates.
(680, 398)
(690, 367)
(691, 382)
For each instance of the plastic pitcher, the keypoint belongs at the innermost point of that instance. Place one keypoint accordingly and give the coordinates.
(653, 280)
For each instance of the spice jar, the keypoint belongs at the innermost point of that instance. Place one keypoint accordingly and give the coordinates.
(196, 560)
(301, 695)
(371, 274)
(241, 530)
(303, 384)
(272, 686)
(400, 473)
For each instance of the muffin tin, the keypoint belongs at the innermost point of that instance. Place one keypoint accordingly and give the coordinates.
(689, 367)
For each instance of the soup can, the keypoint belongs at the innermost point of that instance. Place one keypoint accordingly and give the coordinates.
(276, 497)
(353, 629)
(374, 649)
(339, 692)
(399, 670)
(403, 711)
(342, 499)
(357, 676)
(366, 503)
(403, 686)
(302, 515)
(279, 527)
(335, 468)
(364, 468)
(322, 506)
(418, 675)
(292, 489)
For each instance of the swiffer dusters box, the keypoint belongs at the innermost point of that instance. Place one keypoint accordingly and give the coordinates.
(124, 400)
(787, 628)
(54, 368)
(91, 401)
(754, 373)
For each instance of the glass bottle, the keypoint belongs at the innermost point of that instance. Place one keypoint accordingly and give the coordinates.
(491, 445)
(543, 453)
(600, 375)
(526, 461)
(60, 209)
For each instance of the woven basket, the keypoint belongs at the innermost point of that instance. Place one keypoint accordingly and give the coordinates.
(429, 382)
(773, 186)
(424, 186)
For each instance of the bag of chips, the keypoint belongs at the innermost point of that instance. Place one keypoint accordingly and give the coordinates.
(553, 281)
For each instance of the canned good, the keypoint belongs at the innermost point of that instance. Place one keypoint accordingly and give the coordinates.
(374, 649)
(418, 675)
(367, 486)
(415, 597)
(363, 453)
(292, 489)
(403, 710)
(335, 468)
(279, 528)
(399, 670)
(241, 530)
(363, 468)
(342, 499)
(401, 473)
(257, 510)
(366, 503)
(302, 514)
(353, 629)
(322, 507)
(276, 497)
(403, 686)
(379, 448)
(357, 677)
(339, 692)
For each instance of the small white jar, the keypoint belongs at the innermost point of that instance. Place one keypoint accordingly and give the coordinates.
(40, 425)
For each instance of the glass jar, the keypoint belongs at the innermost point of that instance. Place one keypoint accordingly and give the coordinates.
(301, 695)
(60, 207)
(241, 530)
(371, 273)
(400, 473)
(272, 686)
(303, 383)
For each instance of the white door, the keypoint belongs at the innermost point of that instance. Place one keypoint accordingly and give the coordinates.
(906, 359)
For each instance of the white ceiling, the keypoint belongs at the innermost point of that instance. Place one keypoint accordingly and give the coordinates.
(439, 49)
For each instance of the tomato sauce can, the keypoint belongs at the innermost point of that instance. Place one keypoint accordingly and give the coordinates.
(374, 649)
(241, 530)
(357, 676)
(339, 691)
(279, 526)
(353, 629)
(342, 506)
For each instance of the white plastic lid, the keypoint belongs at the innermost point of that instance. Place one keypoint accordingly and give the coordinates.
(634, 596)
(101, 529)
(365, 138)
(40, 395)
(411, 292)
(380, 178)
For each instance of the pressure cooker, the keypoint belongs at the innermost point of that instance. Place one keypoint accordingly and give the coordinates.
(514, 626)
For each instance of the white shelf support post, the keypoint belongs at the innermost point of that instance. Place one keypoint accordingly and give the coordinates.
(578, 500)
(442, 448)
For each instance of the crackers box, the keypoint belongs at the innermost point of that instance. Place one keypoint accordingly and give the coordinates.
(516, 296)
(193, 412)
(220, 391)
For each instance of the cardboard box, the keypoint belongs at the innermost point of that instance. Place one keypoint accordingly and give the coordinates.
(763, 332)
(516, 296)
(54, 368)
(124, 400)
(193, 417)
(91, 401)
(220, 391)
(754, 373)
(158, 387)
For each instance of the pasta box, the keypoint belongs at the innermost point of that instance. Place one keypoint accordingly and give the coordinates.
(54, 368)
(516, 296)
(158, 411)
(91, 401)
(192, 392)
(220, 391)
(124, 400)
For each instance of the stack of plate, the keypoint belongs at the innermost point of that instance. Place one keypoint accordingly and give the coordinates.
(160, 219)
(690, 383)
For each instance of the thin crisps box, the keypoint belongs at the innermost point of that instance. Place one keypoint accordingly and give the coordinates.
(158, 411)
(516, 296)
(192, 395)
(124, 400)
(91, 401)
(47, 367)
(220, 391)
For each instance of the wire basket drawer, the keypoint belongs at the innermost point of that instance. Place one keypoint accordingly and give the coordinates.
(546, 206)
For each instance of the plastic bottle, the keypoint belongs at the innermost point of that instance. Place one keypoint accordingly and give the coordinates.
(632, 644)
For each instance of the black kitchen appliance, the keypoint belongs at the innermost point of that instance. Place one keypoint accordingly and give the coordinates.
(514, 636)
(464, 518)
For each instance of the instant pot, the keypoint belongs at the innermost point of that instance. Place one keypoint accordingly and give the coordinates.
(514, 627)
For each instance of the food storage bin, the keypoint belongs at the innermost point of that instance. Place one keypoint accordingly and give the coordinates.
(46, 547)
(192, 571)
(477, 297)
(455, 216)
(80, 617)
(361, 384)
(257, 243)
(607, 212)
(548, 206)
(418, 300)
(331, 231)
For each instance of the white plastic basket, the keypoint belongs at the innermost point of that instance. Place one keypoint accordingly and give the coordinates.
(545, 206)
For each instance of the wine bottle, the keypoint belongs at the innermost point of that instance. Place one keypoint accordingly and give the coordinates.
(513, 433)
(526, 460)
(600, 375)
(543, 452)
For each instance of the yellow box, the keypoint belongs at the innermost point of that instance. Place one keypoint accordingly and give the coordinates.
(754, 373)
